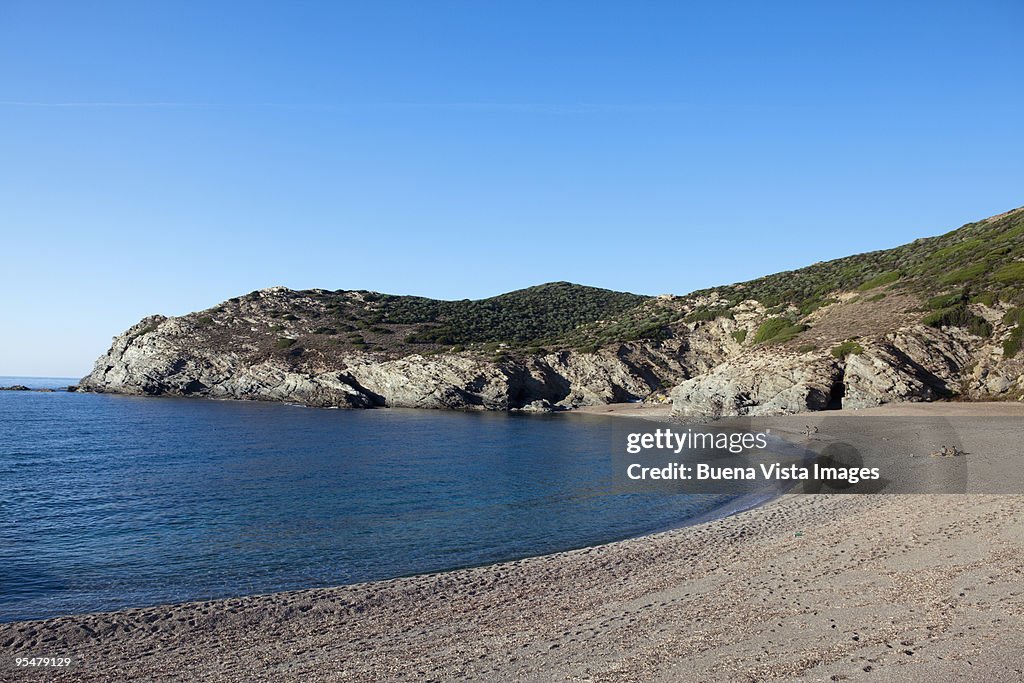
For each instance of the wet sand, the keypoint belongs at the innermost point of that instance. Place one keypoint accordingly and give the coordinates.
(818, 588)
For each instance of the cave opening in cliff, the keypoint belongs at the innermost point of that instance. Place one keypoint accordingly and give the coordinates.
(836, 394)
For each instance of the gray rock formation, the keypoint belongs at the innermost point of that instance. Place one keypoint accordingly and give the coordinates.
(708, 369)
(764, 382)
(159, 356)
(917, 363)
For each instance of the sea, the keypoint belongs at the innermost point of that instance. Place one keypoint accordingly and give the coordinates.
(109, 502)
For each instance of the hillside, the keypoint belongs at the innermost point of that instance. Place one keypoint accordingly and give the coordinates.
(940, 317)
(979, 263)
(341, 321)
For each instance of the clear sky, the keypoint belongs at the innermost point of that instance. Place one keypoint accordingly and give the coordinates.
(159, 157)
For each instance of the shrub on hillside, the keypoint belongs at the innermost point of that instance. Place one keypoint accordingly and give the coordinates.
(1014, 316)
(945, 301)
(1012, 345)
(777, 330)
(847, 348)
(702, 314)
(959, 316)
(1012, 272)
(879, 280)
(985, 299)
(964, 274)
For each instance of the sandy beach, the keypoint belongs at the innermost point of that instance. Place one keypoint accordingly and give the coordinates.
(804, 587)
(663, 411)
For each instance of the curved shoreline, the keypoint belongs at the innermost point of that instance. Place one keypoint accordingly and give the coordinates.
(608, 529)
(791, 588)
(913, 587)
(578, 515)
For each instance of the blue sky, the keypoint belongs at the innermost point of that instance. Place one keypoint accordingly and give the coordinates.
(162, 157)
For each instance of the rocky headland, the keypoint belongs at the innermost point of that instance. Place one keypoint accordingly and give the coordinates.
(940, 318)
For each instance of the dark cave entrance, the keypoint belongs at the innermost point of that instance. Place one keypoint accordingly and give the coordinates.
(836, 394)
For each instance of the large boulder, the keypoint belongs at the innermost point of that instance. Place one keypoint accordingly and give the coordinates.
(766, 382)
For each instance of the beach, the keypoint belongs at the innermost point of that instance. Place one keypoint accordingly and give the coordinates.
(805, 587)
(596, 342)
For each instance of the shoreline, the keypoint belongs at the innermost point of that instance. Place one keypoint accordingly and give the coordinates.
(919, 587)
(788, 589)
(648, 411)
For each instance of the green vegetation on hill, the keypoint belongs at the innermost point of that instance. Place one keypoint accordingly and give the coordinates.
(528, 315)
(777, 331)
(527, 320)
(982, 257)
(980, 263)
(1012, 345)
(847, 348)
(1010, 273)
(879, 280)
(950, 310)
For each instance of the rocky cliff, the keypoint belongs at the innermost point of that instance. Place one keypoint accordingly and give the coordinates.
(167, 356)
(940, 318)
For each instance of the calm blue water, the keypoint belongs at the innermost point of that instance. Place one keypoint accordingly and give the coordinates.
(111, 501)
(38, 382)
